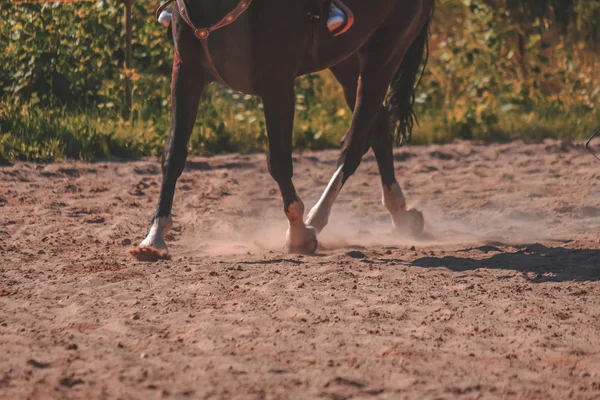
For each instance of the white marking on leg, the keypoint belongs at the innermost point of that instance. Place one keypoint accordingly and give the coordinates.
(318, 217)
(156, 237)
(393, 200)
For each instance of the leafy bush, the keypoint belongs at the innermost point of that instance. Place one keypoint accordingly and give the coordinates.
(492, 67)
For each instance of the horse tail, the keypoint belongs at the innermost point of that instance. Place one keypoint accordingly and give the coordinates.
(401, 95)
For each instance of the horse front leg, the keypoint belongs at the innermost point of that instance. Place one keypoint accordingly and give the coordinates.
(347, 73)
(279, 103)
(187, 87)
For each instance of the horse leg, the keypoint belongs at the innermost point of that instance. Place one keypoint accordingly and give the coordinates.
(370, 93)
(393, 199)
(347, 73)
(365, 80)
(381, 141)
(279, 103)
(187, 87)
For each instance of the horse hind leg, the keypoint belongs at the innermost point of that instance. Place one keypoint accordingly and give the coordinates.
(381, 141)
(370, 89)
(361, 92)
(401, 100)
(364, 92)
(404, 221)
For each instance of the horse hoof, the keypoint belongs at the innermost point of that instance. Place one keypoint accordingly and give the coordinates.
(410, 222)
(149, 254)
(307, 245)
(154, 247)
(415, 222)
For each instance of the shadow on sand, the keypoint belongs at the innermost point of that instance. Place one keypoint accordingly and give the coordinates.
(538, 262)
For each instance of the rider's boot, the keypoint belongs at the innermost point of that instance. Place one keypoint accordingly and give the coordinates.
(165, 17)
(340, 18)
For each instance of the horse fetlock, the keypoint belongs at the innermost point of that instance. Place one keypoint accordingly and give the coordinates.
(404, 221)
(393, 198)
(295, 213)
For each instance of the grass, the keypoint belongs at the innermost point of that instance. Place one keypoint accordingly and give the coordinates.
(230, 122)
(227, 122)
(529, 128)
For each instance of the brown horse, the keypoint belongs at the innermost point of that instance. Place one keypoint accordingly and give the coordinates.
(262, 52)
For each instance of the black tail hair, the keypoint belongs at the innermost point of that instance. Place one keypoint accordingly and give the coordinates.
(401, 95)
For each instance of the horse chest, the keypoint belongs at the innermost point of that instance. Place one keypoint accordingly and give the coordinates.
(232, 63)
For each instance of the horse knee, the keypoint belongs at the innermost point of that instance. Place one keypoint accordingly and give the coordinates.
(279, 169)
(173, 165)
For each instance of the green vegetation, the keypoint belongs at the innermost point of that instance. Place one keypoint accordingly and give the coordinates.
(498, 69)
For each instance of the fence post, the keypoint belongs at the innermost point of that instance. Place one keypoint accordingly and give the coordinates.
(128, 60)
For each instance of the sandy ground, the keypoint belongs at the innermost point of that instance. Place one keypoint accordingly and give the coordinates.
(501, 300)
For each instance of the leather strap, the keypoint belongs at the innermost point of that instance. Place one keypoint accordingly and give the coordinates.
(204, 33)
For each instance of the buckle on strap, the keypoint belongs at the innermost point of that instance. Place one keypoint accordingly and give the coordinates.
(201, 33)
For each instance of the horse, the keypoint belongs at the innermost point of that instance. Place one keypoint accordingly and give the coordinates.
(259, 48)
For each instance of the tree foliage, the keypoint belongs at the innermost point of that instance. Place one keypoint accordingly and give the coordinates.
(498, 68)
(72, 53)
(500, 59)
